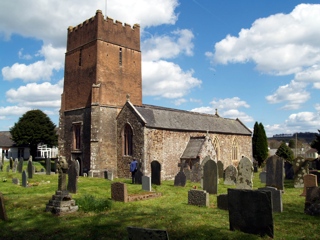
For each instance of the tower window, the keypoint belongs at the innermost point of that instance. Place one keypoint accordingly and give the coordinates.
(120, 56)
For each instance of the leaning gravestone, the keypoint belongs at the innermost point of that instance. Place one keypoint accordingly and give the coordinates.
(180, 179)
(301, 168)
(309, 180)
(146, 183)
(72, 177)
(276, 196)
(61, 202)
(135, 233)
(3, 213)
(24, 179)
(275, 175)
(230, 175)
(245, 173)
(30, 169)
(250, 211)
(210, 177)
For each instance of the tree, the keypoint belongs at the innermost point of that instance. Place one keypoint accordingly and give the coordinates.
(292, 143)
(34, 127)
(285, 152)
(316, 142)
(259, 143)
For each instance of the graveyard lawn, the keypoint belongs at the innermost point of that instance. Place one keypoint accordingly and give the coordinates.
(27, 219)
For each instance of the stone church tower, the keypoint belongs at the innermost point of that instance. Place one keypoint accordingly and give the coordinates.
(102, 68)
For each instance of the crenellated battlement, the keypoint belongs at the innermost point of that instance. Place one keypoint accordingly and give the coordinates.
(105, 29)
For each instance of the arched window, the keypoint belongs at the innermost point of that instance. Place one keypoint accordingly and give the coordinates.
(216, 146)
(127, 140)
(235, 149)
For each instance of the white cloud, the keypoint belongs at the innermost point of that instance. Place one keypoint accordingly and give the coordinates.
(279, 44)
(180, 101)
(208, 110)
(167, 80)
(24, 56)
(36, 95)
(40, 70)
(293, 93)
(229, 103)
(13, 111)
(166, 47)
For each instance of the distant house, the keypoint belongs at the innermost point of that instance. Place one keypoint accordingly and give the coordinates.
(8, 148)
(311, 154)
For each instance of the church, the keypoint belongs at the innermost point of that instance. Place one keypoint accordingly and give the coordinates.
(104, 124)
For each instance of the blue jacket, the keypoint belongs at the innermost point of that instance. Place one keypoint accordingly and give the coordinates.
(133, 165)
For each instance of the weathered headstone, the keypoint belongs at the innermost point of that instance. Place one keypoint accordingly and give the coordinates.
(301, 168)
(155, 173)
(309, 180)
(276, 196)
(135, 233)
(11, 162)
(62, 177)
(3, 213)
(15, 181)
(48, 166)
(250, 211)
(108, 175)
(195, 173)
(24, 179)
(210, 177)
(222, 201)
(30, 169)
(220, 168)
(20, 165)
(180, 179)
(15, 165)
(198, 197)
(245, 173)
(263, 177)
(72, 177)
(275, 167)
(146, 183)
(312, 202)
(119, 192)
(230, 175)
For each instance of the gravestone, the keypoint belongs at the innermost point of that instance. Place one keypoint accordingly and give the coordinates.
(180, 179)
(155, 173)
(146, 183)
(8, 168)
(210, 177)
(220, 169)
(30, 169)
(301, 168)
(62, 171)
(15, 165)
(108, 175)
(250, 211)
(3, 213)
(309, 180)
(245, 173)
(24, 179)
(119, 192)
(135, 233)
(288, 169)
(222, 201)
(72, 177)
(263, 177)
(11, 162)
(276, 196)
(274, 178)
(312, 202)
(198, 198)
(15, 181)
(48, 166)
(20, 165)
(195, 173)
(230, 175)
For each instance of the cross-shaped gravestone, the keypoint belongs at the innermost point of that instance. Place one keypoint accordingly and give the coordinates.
(180, 179)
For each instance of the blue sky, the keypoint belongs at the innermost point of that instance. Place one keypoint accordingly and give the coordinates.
(258, 61)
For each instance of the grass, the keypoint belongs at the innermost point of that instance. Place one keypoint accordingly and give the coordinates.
(105, 219)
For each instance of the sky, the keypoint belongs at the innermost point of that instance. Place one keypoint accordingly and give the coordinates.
(258, 61)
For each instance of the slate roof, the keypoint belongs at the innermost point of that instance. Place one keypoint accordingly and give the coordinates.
(193, 148)
(5, 139)
(168, 118)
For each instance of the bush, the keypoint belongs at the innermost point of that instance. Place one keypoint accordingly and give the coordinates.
(89, 203)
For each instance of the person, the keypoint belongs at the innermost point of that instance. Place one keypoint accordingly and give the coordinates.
(133, 169)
